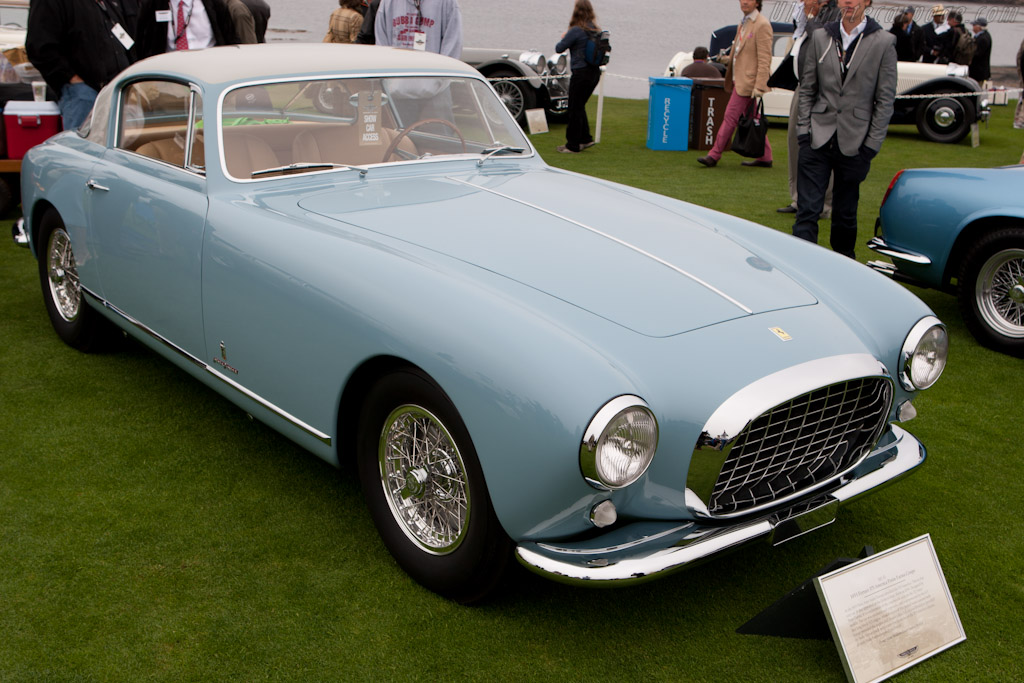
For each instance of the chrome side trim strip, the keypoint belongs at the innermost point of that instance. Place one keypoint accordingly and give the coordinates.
(632, 247)
(312, 431)
(701, 545)
(879, 245)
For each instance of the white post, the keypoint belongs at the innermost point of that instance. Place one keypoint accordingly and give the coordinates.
(600, 106)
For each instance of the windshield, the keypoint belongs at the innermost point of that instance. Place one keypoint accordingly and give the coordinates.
(302, 126)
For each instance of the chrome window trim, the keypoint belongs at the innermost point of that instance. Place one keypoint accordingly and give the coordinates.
(312, 431)
(532, 152)
(734, 415)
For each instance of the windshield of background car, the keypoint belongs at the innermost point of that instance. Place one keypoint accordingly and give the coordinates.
(279, 129)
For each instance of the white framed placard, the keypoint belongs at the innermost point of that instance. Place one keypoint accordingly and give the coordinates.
(536, 121)
(890, 611)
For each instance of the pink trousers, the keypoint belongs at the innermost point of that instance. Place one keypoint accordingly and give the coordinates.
(737, 105)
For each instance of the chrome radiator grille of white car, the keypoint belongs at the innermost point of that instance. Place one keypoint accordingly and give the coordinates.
(802, 442)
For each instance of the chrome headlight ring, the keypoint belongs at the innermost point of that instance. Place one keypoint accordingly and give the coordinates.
(619, 443)
(559, 64)
(924, 354)
(535, 60)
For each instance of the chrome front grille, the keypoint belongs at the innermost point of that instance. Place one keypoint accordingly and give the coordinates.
(801, 443)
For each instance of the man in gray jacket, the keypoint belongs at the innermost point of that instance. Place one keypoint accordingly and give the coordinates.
(431, 25)
(847, 90)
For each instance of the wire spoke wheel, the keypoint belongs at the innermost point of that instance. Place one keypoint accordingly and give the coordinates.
(424, 479)
(425, 488)
(65, 291)
(999, 292)
(991, 290)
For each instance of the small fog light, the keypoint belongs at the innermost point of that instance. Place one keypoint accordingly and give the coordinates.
(906, 412)
(603, 514)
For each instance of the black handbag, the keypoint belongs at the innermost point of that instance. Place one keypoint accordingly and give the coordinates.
(784, 77)
(748, 140)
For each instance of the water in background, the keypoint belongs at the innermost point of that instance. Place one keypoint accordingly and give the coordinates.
(645, 33)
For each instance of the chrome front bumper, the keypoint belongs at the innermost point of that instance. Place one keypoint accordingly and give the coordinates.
(646, 551)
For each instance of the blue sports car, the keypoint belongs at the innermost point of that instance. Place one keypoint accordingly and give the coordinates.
(961, 230)
(607, 384)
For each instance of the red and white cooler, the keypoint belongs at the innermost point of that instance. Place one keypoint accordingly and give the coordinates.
(27, 123)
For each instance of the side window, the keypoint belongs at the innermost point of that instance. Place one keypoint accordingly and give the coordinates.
(154, 122)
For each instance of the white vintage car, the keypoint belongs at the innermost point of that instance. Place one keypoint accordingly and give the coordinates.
(946, 117)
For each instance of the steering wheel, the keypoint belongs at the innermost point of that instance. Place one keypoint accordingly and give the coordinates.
(419, 124)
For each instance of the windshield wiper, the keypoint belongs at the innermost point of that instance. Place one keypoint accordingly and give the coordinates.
(495, 151)
(303, 167)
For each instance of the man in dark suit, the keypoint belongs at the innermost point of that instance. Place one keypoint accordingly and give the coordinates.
(938, 38)
(78, 47)
(847, 91)
(167, 25)
(980, 69)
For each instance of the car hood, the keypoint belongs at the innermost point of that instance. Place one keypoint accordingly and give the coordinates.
(601, 247)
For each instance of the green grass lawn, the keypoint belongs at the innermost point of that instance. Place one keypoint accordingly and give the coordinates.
(150, 531)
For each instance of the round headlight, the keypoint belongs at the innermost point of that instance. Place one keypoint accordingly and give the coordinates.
(535, 60)
(619, 443)
(559, 64)
(924, 354)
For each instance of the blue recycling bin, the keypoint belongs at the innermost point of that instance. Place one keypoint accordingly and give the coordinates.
(668, 114)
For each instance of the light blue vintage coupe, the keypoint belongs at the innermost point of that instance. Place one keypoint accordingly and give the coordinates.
(960, 230)
(605, 383)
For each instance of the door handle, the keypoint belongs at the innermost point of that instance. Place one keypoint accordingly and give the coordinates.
(93, 185)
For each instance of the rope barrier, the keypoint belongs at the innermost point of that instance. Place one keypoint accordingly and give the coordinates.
(991, 92)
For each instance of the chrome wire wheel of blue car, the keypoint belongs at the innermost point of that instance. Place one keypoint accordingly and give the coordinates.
(62, 275)
(424, 479)
(992, 291)
(425, 489)
(78, 325)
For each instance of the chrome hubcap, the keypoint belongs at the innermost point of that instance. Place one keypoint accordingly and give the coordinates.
(945, 117)
(65, 290)
(424, 479)
(1000, 293)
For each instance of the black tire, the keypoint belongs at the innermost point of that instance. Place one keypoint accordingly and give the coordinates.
(517, 96)
(945, 119)
(434, 516)
(75, 322)
(991, 291)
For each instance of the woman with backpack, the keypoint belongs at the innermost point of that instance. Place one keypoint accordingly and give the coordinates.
(585, 76)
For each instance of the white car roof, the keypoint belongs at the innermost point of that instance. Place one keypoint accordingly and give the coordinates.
(232, 63)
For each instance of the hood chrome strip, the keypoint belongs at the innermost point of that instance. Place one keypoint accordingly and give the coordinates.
(629, 246)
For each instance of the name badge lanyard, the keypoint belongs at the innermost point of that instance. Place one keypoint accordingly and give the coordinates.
(843, 64)
(179, 31)
(419, 35)
(115, 23)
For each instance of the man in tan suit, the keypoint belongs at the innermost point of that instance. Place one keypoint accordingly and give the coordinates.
(847, 91)
(749, 65)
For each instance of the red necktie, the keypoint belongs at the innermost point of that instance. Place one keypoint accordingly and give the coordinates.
(181, 42)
